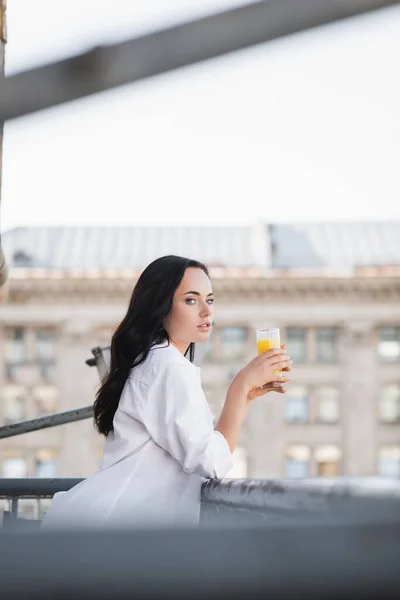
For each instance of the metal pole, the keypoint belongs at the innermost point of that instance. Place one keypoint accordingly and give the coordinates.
(69, 416)
(35, 487)
(102, 362)
(110, 66)
(14, 508)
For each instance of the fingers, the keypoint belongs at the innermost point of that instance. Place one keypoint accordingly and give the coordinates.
(282, 364)
(273, 386)
(273, 353)
(266, 390)
(276, 384)
(280, 359)
(279, 380)
(280, 389)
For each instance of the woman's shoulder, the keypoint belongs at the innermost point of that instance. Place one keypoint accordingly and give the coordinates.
(160, 360)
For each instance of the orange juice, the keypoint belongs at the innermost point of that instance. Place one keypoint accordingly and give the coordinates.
(266, 340)
(264, 345)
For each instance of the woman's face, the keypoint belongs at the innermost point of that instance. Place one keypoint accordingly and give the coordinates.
(190, 317)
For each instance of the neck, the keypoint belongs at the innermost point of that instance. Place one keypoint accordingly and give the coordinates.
(181, 346)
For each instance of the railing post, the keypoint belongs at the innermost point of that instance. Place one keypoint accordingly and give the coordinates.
(14, 508)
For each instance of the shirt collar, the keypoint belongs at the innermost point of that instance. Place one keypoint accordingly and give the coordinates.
(171, 348)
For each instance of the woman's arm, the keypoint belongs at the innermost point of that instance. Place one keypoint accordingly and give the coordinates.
(233, 412)
(245, 387)
(175, 415)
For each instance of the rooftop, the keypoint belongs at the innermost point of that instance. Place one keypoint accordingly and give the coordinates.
(262, 246)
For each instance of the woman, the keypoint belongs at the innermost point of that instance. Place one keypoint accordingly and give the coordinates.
(160, 439)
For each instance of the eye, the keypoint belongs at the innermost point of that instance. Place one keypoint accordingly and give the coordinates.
(190, 301)
(210, 301)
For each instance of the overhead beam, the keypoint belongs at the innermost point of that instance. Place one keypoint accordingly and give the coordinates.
(106, 67)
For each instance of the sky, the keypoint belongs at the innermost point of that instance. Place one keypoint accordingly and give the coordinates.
(303, 129)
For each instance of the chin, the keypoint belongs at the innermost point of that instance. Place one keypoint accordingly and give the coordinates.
(202, 336)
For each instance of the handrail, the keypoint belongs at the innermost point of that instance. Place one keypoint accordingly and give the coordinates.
(257, 493)
(35, 487)
(101, 361)
(337, 499)
(269, 493)
(297, 496)
(68, 416)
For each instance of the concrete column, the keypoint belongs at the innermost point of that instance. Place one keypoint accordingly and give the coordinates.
(3, 267)
(358, 403)
(265, 443)
(77, 384)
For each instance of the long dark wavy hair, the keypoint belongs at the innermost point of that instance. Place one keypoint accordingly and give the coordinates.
(141, 328)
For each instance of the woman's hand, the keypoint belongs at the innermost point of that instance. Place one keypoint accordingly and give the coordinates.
(258, 376)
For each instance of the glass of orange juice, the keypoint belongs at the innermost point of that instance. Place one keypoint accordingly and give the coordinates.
(268, 339)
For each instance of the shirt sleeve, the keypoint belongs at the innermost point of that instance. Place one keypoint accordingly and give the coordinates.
(177, 417)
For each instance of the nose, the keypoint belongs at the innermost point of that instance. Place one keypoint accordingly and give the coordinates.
(206, 310)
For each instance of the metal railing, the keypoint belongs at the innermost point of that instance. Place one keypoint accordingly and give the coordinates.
(14, 489)
(311, 501)
(102, 361)
(262, 502)
(253, 534)
(68, 416)
(280, 500)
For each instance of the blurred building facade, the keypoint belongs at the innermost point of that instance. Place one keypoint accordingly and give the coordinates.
(334, 291)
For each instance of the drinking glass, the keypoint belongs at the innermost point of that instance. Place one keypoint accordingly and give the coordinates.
(268, 339)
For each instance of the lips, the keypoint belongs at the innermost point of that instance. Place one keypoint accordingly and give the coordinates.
(206, 326)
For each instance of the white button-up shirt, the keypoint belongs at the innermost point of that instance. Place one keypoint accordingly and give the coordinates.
(162, 448)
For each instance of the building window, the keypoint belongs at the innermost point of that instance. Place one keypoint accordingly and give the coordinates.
(296, 341)
(327, 404)
(45, 463)
(102, 335)
(233, 342)
(296, 404)
(327, 459)
(297, 462)
(14, 465)
(389, 462)
(13, 399)
(326, 344)
(46, 399)
(239, 469)
(206, 352)
(45, 340)
(15, 345)
(47, 372)
(389, 343)
(389, 404)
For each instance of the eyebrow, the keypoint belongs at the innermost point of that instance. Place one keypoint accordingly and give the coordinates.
(198, 294)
